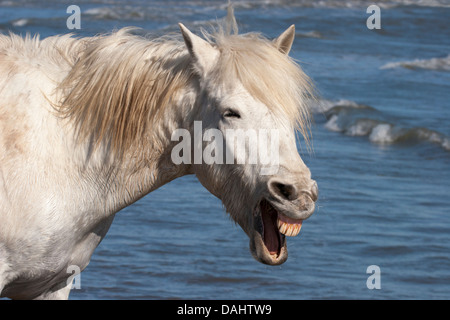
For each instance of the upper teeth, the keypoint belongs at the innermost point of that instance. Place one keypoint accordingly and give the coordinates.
(289, 229)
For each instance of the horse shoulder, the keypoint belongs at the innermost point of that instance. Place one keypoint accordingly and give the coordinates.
(37, 212)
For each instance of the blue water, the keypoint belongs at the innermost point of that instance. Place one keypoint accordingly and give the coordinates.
(383, 170)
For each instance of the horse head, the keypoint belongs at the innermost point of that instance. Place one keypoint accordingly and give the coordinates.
(249, 86)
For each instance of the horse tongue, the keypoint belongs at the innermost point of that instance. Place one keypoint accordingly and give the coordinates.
(271, 236)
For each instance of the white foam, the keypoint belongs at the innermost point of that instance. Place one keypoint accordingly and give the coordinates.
(310, 34)
(382, 134)
(332, 124)
(435, 137)
(324, 105)
(102, 13)
(364, 3)
(361, 128)
(344, 102)
(446, 144)
(442, 64)
(20, 22)
(320, 106)
(114, 13)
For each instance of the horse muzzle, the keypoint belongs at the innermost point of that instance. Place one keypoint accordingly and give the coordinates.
(279, 215)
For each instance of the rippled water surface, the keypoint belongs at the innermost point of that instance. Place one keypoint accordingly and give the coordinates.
(381, 158)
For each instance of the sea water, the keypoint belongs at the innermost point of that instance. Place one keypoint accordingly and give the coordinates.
(381, 157)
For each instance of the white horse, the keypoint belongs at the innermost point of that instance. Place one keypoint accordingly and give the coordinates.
(85, 130)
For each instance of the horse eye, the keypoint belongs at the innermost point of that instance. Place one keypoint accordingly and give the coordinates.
(231, 114)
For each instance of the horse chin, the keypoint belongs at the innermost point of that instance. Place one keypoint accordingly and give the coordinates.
(268, 239)
(262, 254)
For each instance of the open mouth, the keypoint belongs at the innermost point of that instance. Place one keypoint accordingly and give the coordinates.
(273, 227)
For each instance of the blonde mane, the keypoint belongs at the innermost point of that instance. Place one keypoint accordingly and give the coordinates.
(122, 83)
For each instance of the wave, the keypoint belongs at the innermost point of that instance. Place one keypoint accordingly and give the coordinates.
(439, 64)
(309, 34)
(244, 4)
(353, 119)
(109, 13)
(31, 22)
(386, 133)
(20, 22)
(345, 3)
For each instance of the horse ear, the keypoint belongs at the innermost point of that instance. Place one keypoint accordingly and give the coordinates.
(203, 53)
(285, 40)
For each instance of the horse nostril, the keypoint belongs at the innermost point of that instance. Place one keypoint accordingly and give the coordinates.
(285, 191)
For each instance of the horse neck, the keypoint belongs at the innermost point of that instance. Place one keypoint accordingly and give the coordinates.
(147, 165)
(124, 148)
